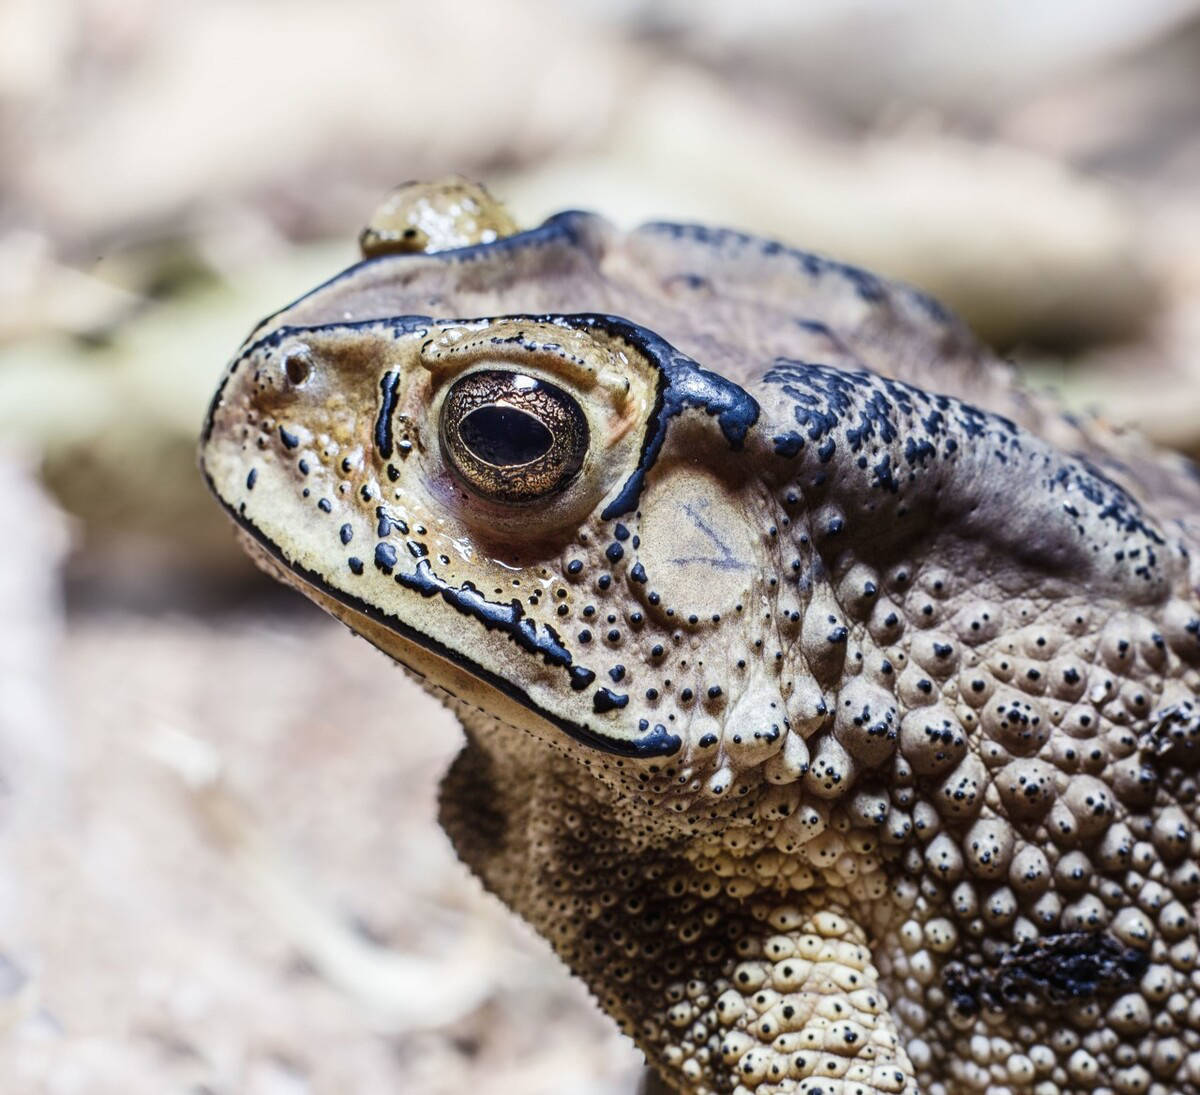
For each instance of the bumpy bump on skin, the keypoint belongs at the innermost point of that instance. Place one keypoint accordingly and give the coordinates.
(436, 216)
(835, 716)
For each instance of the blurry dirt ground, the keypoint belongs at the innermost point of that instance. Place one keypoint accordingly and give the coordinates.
(220, 870)
(235, 884)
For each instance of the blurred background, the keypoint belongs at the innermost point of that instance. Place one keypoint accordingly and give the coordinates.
(219, 868)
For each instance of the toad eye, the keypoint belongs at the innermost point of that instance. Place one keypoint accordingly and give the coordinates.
(511, 437)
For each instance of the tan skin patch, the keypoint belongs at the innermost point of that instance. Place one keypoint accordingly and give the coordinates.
(698, 548)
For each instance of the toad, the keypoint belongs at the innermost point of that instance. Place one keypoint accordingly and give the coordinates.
(831, 706)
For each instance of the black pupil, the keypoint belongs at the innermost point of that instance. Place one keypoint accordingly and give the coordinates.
(503, 436)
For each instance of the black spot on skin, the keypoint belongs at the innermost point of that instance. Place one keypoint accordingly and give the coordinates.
(605, 700)
(251, 478)
(1055, 969)
(346, 533)
(290, 440)
(788, 444)
(385, 557)
(581, 677)
(883, 475)
(355, 564)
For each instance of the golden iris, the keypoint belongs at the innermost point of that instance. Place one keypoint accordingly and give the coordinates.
(511, 437)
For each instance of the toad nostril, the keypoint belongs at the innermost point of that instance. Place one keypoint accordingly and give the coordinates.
(298, 366)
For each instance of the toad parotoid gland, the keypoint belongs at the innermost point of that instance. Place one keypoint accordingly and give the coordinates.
(831, 706)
